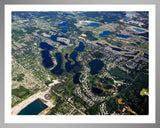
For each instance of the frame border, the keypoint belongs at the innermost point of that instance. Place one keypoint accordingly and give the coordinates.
(4, 2)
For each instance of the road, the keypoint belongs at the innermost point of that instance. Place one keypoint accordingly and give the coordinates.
(69, 103)
(23, 104)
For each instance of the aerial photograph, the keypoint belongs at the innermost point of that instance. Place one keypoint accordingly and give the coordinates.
(80, 63)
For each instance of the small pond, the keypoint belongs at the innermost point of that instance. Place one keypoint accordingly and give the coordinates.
(63, 27)
(93, 25)
(123, 36)
(116, 49)
(138, 43)
(96, 90)
(138, 29)
(105, 34)
(33, 108)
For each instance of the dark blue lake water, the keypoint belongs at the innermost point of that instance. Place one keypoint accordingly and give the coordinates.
(138, 30)
(126, 50)
(72, 67)
(108, 87)
(105, 34)
(45, 46)
(95, 66)
(146, 39)
(93, 25)
(133, 44)
(126, 19)
(63, 27)
(145, 35)
(73, 56)
(145, 55)
(123, 36)
(33, 108)
(66, 56)
(80, 48)
(64, 31)
(46, 59)
(54, 38)
(58, 68)
(138, 43)
(63, 24)
(68, 65)
(97, 91)
(116, 49)
(99, 44)
(76, 67)
(76, 78)
(135, 53)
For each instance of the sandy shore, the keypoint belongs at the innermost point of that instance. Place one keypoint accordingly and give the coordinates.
(16, 109)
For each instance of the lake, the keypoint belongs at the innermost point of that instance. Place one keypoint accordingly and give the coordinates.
(126, 19)
(46, 59)
(132, 44)
(96, 90)
(138, 30)
(68, 65)
(64, 31)
(105, 34)
(45, 46)
(33, 108)
(145, 55)
(73, 56)
(76, 67)
(108, 87)
(116, 49)
(54, 38)
(66, 56)
(99, 44)
(58, 68)
(123, 36)
(138, 43)
(95, 65)
(63, 26)
(93, 25)
(80, 48)
(145, 35)
(76, 78)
